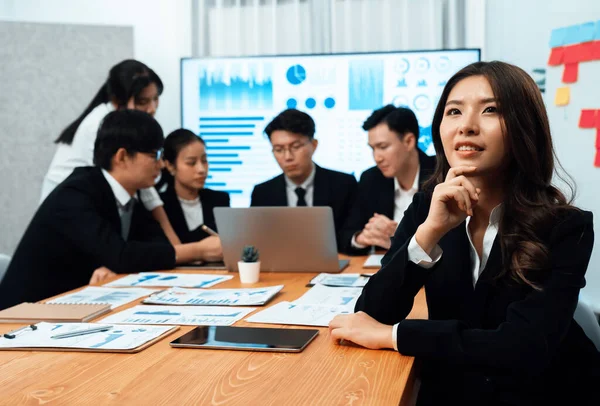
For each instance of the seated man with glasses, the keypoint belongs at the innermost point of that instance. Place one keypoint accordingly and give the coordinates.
(92, 226)
(302, 183)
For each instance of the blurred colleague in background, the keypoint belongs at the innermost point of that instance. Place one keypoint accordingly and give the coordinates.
(130, 85)
(385, 191)
(188, 203)
(303, 183)
(91, 226)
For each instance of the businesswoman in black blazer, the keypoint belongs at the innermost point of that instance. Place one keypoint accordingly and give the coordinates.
(501, 252)
(189, 205)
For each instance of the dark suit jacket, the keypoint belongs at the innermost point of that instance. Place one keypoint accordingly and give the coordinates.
(209, 199)
(76, 230)
(498, 343)
(376, 195)
(331, 188)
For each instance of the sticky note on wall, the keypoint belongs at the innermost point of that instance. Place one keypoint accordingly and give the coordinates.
(556, 56)
(562, 97)
(570, 73)
(587, 32)
(557, 37)
(587, 119)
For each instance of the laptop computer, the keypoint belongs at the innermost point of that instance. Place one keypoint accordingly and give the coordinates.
(288, 239)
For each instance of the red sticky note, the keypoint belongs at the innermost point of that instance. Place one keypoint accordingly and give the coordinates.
(597, 160)
(587, 50)
(556, 56)
(587, 119)
(597, 138)
(570, 73)
(572, 54)
(595, 51)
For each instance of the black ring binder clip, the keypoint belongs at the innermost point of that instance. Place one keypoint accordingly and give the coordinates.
(14, 333)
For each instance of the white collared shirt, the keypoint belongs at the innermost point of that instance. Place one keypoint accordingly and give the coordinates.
(192, 211)
(122, 196)
(81, 153)
(402, 199)
(417, 255)
(308, 185)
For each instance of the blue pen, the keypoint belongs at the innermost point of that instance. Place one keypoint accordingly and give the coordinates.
(82, 332)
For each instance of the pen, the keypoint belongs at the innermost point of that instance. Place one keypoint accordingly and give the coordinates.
(209, 230)
(13, 334)
(82, 332)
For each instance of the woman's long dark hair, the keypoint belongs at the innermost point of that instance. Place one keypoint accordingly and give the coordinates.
(531, 202)
(125, 80)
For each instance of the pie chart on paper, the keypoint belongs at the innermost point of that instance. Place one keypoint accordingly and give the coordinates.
(296, 74)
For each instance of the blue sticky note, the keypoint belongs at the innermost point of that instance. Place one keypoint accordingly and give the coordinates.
(557, 38)
(572, 35)
(587, 32)
(597, 35)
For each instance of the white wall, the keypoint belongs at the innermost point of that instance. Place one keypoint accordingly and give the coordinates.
(162, 34)
(518, 31)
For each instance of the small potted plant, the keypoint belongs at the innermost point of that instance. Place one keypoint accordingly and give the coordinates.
(249, 266)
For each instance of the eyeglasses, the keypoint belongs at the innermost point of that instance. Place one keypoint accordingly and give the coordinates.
(157, 155)
(295, 147)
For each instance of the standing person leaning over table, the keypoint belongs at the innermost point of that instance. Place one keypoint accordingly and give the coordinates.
(130, 85)
(502, 255)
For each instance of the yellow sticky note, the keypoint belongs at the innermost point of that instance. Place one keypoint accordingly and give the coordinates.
(562, 96)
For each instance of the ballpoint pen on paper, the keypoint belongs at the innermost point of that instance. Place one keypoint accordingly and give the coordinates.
(82, 332)
(14, 333)
(209, 230)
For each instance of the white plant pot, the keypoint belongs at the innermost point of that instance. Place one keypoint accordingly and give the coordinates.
(249, 271)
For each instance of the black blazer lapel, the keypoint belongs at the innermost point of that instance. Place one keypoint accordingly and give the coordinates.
(207, 208)
(279, 191)
(387, 197)
(484, 283)
(321, 187)
(107, 198)
(174, 211)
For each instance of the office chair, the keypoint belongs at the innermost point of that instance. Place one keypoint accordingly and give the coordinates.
(4, 261)
(585, 317)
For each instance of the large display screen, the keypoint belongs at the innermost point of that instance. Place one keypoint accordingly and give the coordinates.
(229, 101)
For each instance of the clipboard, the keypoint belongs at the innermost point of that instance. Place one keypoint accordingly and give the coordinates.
(37, 337)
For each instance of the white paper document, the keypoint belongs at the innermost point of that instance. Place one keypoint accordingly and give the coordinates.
(102, 295)
(315, 308)
(341, 280)
(122, 337)
(330, 296)
(299, 314)
(180, 315)
(373, 261)
(186, 280)
(215, 297)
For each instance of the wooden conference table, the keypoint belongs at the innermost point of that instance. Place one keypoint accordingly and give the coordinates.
(324, 373)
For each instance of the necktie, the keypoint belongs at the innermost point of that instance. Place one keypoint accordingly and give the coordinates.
(126, 212)
(300, 192)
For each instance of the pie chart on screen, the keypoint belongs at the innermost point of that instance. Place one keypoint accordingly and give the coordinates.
(296, 74)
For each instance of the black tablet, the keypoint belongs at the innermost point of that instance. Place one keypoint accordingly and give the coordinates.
(246, 338)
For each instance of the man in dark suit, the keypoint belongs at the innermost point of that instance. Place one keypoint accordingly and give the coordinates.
(385, 191)
(91, 226)
(303, 183)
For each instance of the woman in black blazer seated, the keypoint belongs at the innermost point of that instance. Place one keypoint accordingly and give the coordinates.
(502, 255)
(188, 204)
